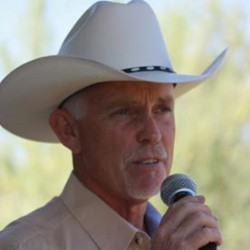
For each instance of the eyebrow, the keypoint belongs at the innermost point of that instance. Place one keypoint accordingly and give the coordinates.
(168, 99)
(121, 102)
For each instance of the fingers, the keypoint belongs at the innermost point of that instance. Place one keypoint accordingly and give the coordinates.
(188, 224)
(198, 229)
(200, 237)
(180, 210)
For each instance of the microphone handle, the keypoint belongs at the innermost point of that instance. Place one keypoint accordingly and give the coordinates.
(209, 246)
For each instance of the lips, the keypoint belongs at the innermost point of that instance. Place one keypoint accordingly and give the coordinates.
(150, 155)
(147, 161)
(150, 161)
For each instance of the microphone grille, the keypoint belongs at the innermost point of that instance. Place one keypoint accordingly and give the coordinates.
(174, 183)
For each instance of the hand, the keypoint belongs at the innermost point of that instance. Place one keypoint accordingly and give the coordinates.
(187, 225)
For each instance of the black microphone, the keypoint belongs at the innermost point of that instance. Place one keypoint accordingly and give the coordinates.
(174, 188)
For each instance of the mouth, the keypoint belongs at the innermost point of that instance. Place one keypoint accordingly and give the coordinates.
(148, 162)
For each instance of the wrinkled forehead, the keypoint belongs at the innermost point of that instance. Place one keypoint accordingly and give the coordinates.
(125, 91)
(128, 89)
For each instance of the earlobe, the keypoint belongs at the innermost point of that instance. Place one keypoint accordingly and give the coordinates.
(66, 129)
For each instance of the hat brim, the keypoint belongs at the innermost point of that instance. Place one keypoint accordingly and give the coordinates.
(31, 92)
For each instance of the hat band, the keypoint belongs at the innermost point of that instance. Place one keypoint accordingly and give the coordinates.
(148, 68)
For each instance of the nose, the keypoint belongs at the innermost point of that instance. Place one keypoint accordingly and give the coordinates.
(149, 131)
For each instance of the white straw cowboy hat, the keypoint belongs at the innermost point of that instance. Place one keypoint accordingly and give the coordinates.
(110, 42)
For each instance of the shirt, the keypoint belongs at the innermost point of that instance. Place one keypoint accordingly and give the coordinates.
(77, 220)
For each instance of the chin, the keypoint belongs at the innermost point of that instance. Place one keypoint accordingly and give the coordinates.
(142, 195)
(144, 190)
(144, 184)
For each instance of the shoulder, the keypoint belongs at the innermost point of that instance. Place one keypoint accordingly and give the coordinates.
(13, 238)
(36, 230)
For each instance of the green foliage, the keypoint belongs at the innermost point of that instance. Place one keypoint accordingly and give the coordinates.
(30, 174)
(213, 121)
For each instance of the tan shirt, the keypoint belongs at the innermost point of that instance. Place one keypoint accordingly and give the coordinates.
(76, 220)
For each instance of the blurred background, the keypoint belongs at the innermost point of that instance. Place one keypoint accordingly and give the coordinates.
(213, 121)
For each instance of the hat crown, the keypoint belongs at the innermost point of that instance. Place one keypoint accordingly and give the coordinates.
(118, 35)
(108, 38)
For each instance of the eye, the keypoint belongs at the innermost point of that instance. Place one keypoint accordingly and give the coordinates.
(126, 112)
(163, 109)
(122, 111)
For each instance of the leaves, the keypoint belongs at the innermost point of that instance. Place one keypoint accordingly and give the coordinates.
(213, 121)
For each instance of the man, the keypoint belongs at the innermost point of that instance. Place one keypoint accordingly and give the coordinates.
(109, 97)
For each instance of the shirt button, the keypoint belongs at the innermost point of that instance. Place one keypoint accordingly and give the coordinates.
(138, 240)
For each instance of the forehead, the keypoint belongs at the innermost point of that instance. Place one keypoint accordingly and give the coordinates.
(129, 91)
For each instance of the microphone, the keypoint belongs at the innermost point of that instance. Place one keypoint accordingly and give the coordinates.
(177, 186)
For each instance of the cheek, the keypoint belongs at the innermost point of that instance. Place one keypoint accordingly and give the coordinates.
(168, 140)
(167, 130)
(104, 144)
(169, 137)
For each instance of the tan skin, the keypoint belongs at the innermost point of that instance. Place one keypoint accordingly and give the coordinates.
(122, 151)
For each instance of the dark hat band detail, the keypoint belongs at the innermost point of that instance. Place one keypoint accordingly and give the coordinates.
(148, 68)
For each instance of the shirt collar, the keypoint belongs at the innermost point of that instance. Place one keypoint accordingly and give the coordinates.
(85, 206)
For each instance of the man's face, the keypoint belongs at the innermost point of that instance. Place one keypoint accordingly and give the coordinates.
(127, 138)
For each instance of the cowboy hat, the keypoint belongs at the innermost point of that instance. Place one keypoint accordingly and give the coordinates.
(110, 42)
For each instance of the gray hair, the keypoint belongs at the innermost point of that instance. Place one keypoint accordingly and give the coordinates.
(75, 105)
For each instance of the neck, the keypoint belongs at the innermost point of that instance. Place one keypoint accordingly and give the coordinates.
(133, 213)
(131, 210)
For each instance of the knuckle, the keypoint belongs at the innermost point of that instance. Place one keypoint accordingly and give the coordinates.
(201, 236)
(183, 245)
(199, 214)
(206, 231)
(187, 206)
(208, 209)
(210, 233)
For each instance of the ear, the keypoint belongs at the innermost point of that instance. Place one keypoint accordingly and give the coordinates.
(66, 129)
